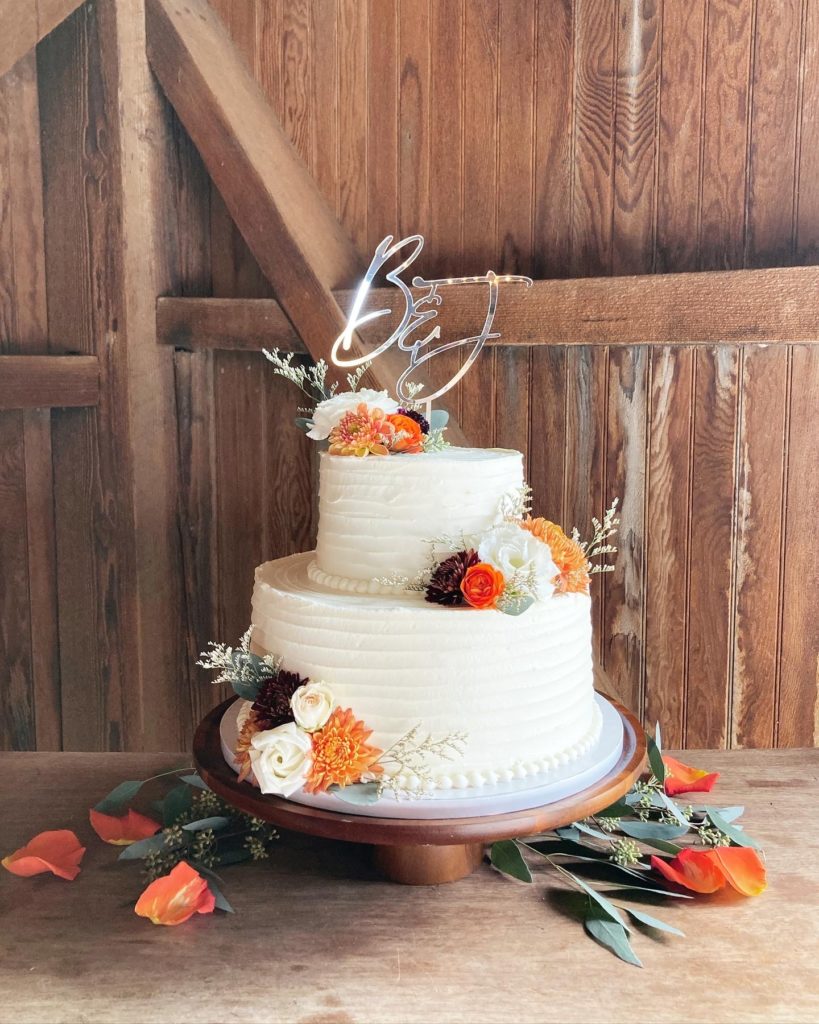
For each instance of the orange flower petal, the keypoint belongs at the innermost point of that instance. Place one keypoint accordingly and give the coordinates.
(682, 778)
(122, 831)
(743, 868)
(174, 898)
(58, 852)
(693, 869)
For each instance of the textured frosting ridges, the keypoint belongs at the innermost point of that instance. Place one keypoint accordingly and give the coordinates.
(520, 687)
(376, 515)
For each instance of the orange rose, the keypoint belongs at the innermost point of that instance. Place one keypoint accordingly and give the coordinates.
(411, 439)
(482, 585)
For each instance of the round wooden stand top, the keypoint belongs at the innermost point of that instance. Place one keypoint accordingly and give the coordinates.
(406, 832)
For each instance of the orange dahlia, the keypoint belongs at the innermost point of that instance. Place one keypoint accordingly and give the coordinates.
(341, 753)
(567, 555)
(362, 431)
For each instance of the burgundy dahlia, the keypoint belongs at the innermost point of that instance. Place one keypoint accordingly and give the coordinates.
(445, 583)
(413, 414)
(272, 705)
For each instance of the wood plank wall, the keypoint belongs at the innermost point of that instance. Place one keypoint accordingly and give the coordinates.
(559, 138)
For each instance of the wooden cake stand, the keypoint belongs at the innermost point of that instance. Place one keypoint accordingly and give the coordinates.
(413, 851)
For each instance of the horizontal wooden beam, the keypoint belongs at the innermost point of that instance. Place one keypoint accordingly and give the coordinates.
(41, 382)
(24, 23)
(742, 307)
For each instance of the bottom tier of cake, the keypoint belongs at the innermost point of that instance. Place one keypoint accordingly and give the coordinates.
(517, 688)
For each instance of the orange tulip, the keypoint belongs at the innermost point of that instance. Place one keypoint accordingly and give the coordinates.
(482, 585)
(709, 870)
(58, 852)
(122, 831)
(174, 898)
(682, 778)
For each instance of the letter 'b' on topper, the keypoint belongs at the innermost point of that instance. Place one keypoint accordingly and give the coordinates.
(409, 334)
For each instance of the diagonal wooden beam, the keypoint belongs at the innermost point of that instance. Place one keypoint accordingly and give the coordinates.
(23, 24)
(295, 237)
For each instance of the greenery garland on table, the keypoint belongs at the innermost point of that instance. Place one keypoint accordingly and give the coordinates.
(604, 856)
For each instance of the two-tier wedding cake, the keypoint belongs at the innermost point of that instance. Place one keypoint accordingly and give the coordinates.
(438, 640)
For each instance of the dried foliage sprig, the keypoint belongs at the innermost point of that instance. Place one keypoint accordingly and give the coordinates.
(312, 380)
(597, 546)
(435, 441)
(516, 504)
(411, 756)
(239, 666)
(354, 378)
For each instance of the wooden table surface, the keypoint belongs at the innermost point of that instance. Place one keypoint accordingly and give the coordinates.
(317, 938)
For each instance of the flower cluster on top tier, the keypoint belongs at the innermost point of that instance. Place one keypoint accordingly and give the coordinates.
(517, 562)
(360, 421)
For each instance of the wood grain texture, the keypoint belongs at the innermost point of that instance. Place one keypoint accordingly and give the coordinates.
(48, 382)
(25, 24)
(760, 541)
(798, 700)
(29, 541)
(97, 596)
(42, 973)
(625, 478)
(743, 307)
(668, 509)
(711, 546)
(635, 135)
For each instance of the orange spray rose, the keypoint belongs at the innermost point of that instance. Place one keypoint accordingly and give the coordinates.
(411, 439)
(483, 585)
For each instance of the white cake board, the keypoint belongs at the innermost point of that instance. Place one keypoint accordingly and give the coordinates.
(520, 795)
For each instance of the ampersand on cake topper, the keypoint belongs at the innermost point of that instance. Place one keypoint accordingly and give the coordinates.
(418, 312)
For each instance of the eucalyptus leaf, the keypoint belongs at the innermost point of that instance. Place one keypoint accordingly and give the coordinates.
(595, 832)
(438, 419)
(658, 737)
(570, 832)
(176, 802)
(196, 781)
(221, 902)
(360, 793)
(652, 830)
(653, 891)
(505, 855)
(728, 814)
(619, 809)
(216, 822)
(655, 760)
(119, 796)
(611, 935)
(654, 922)
(598, 898)
(142, 847)
(516, 607)
(735, 834)
(303, 423)
(234, 856)
(662, 845)
(675, 810)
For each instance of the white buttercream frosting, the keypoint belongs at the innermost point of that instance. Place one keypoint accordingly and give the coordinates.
(520, 686)
(378, 514)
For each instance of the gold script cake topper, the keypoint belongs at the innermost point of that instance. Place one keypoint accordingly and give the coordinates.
(418, 311)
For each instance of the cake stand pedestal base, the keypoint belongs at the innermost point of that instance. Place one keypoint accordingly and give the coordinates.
(421, 851)
(427, 865)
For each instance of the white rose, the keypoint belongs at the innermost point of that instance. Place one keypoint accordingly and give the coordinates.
(328, 414)
(281, 759)
(312, 705)
(513, 550)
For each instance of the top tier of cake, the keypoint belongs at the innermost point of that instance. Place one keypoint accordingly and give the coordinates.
(377, 515)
